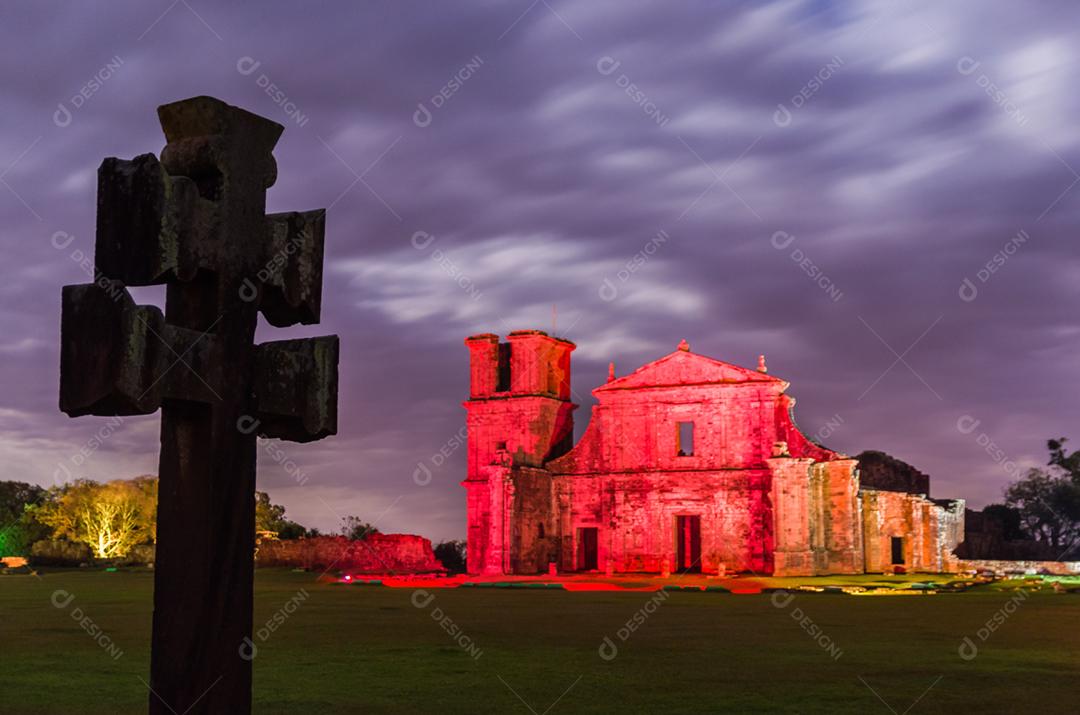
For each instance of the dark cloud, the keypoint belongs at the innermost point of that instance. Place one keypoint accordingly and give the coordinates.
(919, 140)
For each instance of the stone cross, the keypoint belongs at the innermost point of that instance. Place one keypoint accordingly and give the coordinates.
(196, 222)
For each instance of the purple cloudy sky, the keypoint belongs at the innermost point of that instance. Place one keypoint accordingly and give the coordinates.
(825, 175)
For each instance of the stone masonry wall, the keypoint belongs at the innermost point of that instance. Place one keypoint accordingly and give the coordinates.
(377, 554)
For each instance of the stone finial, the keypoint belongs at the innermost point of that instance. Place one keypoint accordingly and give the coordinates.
(684, 346)
(780, 449)
(611, 372)
(761, 364)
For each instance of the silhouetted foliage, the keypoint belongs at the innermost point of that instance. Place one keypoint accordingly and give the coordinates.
(18, 528)
(452, 554)
(1048, 500)
(356, 528)
(270, 519)
(1008, 518)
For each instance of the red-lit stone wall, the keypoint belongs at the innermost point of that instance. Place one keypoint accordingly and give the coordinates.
(377, 554)
(768, 499)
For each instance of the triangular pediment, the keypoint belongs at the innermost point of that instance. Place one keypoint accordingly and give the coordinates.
(683, 367)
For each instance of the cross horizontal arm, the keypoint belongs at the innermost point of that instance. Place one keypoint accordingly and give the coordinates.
(292, 275)
(146, 223)
(119, 358)
(296, 386)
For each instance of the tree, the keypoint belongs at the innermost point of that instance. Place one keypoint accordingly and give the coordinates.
(1008, 518)
(356, 528)
(18, 528)
(1069, 463)
(110, 518)
(452, 554)
(1048, 500)
(270, 519)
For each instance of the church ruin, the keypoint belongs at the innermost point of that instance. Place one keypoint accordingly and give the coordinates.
(688, 464)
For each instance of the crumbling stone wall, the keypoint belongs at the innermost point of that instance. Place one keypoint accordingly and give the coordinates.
(929, 531)
(1006, 567)
(881, 472)
(376, 554)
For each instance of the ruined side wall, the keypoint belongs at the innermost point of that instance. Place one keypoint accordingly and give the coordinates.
(377, 554)
(817, 522)
(930, 531)
(1002, 568)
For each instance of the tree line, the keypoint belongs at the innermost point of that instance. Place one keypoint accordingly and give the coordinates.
(113, 518)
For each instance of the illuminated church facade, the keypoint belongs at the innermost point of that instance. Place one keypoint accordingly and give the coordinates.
(687, 464)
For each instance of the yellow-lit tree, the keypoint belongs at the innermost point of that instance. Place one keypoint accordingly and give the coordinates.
(110, 518)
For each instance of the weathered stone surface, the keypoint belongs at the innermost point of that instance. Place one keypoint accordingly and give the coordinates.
(751, 493)
(196, 221)
(109, 357)
(928, 532)
(296, 397)
(377, 554)
(1007, 567)
(292, 276)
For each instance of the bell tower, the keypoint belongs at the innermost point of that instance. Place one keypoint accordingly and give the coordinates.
(519, 415)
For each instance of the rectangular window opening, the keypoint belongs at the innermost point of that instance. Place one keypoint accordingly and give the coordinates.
(684, 436)
(503, 384)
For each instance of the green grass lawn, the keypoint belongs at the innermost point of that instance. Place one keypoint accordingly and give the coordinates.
(368, 649)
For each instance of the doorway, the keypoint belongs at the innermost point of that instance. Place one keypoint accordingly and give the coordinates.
(897, 550)
(587, 542)
(688, 544)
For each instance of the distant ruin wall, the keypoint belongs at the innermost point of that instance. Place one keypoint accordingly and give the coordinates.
(377, 554)
(1057, 568)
